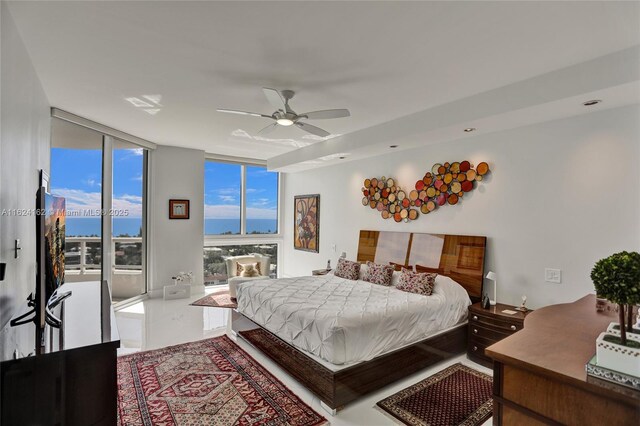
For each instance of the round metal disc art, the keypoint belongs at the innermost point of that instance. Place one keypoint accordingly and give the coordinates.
(445, 184)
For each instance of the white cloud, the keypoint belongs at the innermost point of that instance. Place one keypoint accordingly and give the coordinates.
(227, 198)
(227, 191)
(261, 213)
(261, 202)
(132, 198)
(222, 211)
(86, 204)
(91, 182)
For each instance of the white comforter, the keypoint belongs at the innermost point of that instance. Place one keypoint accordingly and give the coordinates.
(344, 321)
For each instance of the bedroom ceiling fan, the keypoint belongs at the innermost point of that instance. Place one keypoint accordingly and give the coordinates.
(285, 116)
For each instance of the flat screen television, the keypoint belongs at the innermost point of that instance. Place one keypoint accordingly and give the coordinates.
(50, 248)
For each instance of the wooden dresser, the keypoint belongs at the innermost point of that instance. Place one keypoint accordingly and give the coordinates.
(539, 374)
(488, 326)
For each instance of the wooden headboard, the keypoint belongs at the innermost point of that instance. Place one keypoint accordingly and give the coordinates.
(460, 257)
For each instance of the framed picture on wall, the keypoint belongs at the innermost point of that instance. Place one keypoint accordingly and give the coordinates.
(306, 227)
(178, 209)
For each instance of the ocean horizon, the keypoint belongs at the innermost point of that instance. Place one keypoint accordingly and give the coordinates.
(85, 227)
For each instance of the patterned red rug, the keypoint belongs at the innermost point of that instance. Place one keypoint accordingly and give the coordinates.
(457, 395)
(220, 299)
(210, 382)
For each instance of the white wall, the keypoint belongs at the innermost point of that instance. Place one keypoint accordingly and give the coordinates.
(175, 245)
(24, 149)
(562, 194)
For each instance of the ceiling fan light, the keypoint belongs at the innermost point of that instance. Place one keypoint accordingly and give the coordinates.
(284, 121)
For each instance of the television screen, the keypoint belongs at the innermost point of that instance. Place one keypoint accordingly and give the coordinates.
(54, 243)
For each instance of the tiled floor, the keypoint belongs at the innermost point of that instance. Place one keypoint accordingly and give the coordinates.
(156, 323)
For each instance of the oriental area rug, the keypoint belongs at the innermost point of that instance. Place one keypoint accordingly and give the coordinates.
(457, 395)
(221, 299)
(210, 382)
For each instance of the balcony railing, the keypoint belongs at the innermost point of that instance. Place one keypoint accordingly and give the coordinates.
(83, 258)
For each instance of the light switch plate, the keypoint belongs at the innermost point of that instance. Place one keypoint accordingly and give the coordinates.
(553, 275)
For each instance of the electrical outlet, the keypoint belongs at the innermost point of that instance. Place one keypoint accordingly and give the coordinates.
(553, 275)
(334, 248)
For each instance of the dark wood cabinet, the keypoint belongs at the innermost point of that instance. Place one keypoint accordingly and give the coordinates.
(74, 382)
(488, 326)
(539, 373)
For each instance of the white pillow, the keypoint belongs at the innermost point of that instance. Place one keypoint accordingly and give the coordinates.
(395, 278)
(363, 271)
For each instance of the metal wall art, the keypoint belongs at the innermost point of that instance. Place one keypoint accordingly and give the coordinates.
(444, 184)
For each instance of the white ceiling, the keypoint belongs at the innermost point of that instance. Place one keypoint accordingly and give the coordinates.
(381, 60)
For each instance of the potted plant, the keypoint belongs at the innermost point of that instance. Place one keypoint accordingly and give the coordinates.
(617, 279)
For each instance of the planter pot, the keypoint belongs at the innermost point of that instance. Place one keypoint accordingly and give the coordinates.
(614, 328)
(617, 357)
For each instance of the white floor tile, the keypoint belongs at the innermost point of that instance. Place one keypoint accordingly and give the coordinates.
(156, 323)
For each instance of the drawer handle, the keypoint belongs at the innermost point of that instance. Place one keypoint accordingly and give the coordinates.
(513, 327)
(475, 348)
(475, 331)
(475, 317)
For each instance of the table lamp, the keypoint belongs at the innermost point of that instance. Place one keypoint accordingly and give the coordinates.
(493, 277)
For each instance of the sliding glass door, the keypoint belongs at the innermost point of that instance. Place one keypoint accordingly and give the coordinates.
(76, 175)
(128, 230)
(104, 182)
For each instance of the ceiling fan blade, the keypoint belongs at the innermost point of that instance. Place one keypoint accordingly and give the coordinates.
(275, 98)
(327, 113)
(270, 128)
(233, 111)
(312, 129)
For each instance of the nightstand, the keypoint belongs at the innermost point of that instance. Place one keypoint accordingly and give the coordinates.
(320, 272)
(488, 326)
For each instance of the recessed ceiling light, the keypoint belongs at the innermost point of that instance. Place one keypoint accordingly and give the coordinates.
(284, 121)
(393, 146)
(592, 102)
(470, 129)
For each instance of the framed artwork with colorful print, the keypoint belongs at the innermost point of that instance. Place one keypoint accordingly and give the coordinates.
(306, 229)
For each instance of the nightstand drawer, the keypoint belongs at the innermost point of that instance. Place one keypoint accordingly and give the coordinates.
(489, 326)
(493, 334)
(498, 324)
(476, 349)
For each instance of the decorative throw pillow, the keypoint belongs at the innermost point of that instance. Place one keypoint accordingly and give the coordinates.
(378, 274)
(419, 283)
(248, 269)
(347, 269)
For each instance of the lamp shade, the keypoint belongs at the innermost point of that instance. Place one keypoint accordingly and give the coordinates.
(491, 276)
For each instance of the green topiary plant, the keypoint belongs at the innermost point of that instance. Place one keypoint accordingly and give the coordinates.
(617, 279)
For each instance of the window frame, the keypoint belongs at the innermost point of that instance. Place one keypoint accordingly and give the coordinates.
(212, 240)
(243, 237)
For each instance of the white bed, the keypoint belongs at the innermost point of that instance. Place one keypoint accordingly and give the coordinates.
(345, 322)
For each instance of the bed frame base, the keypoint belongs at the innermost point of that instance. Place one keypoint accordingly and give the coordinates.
(338, 388)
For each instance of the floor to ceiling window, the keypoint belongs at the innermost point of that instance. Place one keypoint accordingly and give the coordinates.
(76, 175)
(103, 180)
(241, 216)
(128, 220)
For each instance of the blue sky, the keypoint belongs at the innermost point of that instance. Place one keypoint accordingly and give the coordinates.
(222, 191)
(76, 175)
